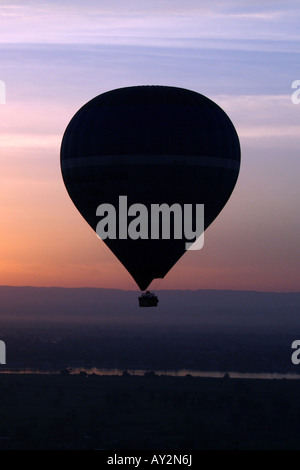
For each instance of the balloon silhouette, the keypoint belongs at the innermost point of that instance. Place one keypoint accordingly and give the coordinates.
(154, 144)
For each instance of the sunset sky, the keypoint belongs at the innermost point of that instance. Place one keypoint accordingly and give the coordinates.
(56, 55)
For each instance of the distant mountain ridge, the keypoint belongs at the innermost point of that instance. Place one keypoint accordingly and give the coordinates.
(201, 307)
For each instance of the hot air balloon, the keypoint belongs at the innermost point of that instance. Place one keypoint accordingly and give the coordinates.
(155, 145)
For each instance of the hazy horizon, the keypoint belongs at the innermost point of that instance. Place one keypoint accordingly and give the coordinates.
(228, 310)
(137, 291)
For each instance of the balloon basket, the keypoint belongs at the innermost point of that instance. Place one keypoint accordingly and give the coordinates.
(148, 299)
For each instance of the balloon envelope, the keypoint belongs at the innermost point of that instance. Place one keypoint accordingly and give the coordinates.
(153, 144)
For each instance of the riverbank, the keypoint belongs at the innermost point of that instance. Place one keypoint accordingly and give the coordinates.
(143, 372)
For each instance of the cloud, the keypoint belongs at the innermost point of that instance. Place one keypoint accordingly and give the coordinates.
(146, 23)
(17, 140)
(262, 115)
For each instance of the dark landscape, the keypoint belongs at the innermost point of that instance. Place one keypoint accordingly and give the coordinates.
(67, 335)
(74, 412)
